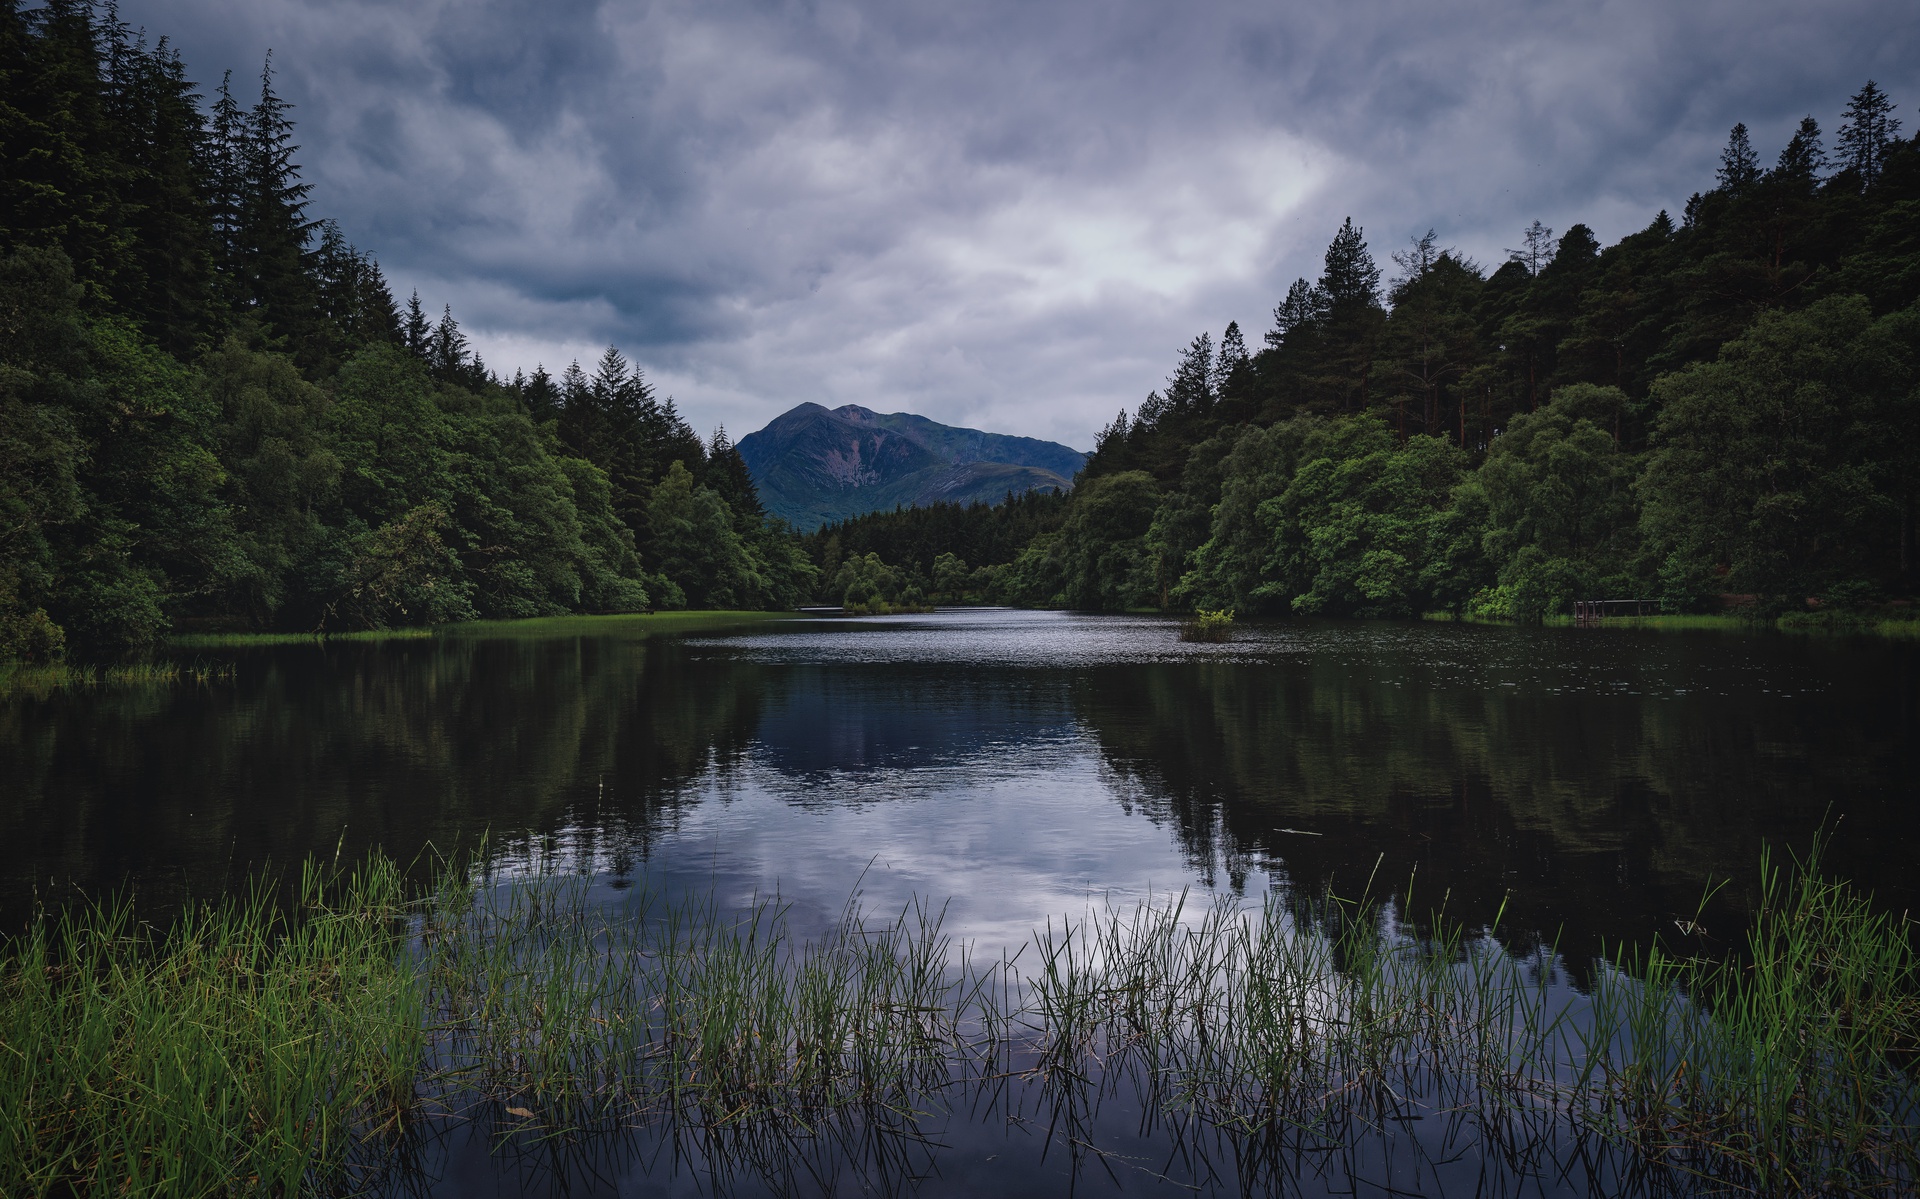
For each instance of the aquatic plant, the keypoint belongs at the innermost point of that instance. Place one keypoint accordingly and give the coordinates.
(1209, 625)
(255, 1049)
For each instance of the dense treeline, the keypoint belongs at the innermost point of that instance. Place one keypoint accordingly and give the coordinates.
(212, 410)
(1721, 406)
(944, 551)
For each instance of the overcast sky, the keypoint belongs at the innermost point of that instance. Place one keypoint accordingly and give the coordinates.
(1005, 215)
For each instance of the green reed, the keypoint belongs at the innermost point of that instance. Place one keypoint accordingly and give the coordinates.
(250, 1050)
(239, 1050)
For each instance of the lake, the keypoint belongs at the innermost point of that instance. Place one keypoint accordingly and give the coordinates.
(1581, 786)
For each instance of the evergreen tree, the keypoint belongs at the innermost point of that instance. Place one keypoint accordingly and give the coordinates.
(1350, 280)
(1536, 248)
(1302, 307)
(274, 230)
(416, 332)
(225, 158)
(353, 293)
(727, 474)
(1739, 165)
(447, 354)
(1867, 134)
(1350, 283)
(1804, 156)
(1190, 389)
(1230, 371)
(541, 396)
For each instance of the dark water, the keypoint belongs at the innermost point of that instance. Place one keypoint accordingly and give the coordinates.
(1596, 781)
(1593, 783)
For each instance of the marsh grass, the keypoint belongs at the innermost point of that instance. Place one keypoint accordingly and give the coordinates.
(243, 1049)
(636, 624)
(40, 681)
(249, 1051)
(1209, 625)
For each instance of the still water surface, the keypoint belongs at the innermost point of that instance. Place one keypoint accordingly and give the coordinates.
(1017, 765)
(1596, 781)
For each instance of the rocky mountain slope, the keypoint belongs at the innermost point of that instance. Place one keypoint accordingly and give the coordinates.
(814, 466)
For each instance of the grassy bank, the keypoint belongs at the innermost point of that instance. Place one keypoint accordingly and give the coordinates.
(250, 1051)
(1727, 622)
(633, 624)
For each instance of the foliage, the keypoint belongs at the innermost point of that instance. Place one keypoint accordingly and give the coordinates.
(254, 1050)
(1209, 625)
(212, 409)
(1716, 407)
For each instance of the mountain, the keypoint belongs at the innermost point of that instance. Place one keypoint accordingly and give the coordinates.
(814, 466)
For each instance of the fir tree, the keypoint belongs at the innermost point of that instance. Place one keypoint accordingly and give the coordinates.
(1229, 370)
(540, 394)
(274, 230)
(1350, 280)
(1868, 133)
(1190, 388)
(1302, 307)
(447, 354)
(1804, 156)
(727, 474)
(1739, 165)
(416, 333)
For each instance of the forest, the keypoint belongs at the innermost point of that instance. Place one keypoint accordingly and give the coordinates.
(215, 414)
(1719, 411)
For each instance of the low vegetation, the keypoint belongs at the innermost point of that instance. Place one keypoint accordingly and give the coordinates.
(1209, 625)
(252, 1048)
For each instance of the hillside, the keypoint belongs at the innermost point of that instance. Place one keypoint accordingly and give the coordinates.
(813, 466)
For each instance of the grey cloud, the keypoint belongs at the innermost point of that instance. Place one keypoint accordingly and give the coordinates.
(1001, 213)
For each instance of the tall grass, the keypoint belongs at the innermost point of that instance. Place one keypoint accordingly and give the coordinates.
(243, 1049)
(246, 1050)
(40, 681)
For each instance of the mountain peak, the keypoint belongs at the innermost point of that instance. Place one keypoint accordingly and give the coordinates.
(814, 466)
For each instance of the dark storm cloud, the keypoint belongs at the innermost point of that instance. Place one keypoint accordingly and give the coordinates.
(1005, 214)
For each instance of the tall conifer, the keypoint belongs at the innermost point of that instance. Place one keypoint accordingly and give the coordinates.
(1868, 132)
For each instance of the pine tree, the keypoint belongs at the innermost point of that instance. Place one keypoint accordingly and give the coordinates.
(224, 165)
(727, 474)
(1804, 157)
(1190, 388)
(273, 228)
(447, 354)
(1739, 165)
(1302, 307)
(1868, 133)
(540, 394)
(353, 293)
(1350, 285)
(1415, 261)
(1230, 369)
(1537, 251)
(1350, 279)
(416, 334)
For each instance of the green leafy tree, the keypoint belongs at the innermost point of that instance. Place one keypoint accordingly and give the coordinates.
(1103, 544)
(1561, 519)
(1355, 528)
(1765, 476)
(696, 547)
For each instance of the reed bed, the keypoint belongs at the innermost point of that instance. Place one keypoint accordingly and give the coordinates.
(250, 1051)
(41, 681)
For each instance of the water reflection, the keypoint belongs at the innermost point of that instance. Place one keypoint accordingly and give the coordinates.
(1595, 781)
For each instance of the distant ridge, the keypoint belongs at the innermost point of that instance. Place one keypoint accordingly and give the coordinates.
(814, 466)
